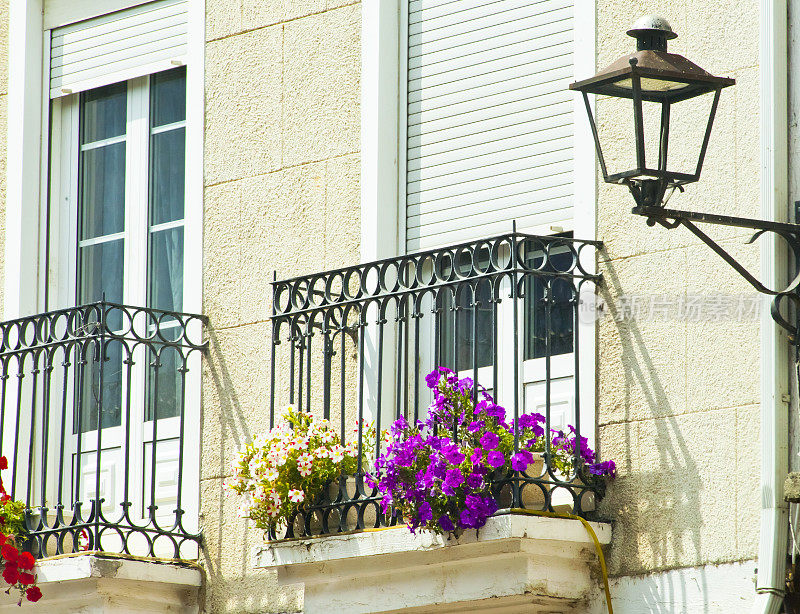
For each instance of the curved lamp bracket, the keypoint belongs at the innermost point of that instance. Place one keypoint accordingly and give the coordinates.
(672, 218)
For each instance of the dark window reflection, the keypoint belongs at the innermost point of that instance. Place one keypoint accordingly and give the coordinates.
(559, 328)
(463, 310)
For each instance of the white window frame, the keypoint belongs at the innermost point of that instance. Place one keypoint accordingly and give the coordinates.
(26, 228)
(63, 241)
(384, 32)
(27, 173)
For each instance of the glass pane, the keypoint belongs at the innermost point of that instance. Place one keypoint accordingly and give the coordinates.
(102, 191)
(560, 327)
(103, 112)
(168, 96)
(166, 269)
(165, 381)
(101, 386)
(101, 272)
(167, 175)
(460, 343)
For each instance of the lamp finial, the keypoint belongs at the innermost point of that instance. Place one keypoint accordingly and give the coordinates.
(651, 33)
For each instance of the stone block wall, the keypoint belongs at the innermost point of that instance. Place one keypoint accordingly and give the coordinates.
(678, 397)
(282, 171)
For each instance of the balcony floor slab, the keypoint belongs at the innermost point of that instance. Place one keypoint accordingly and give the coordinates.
(100, 583)
(542, 565)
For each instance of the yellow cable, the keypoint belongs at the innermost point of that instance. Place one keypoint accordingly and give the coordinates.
(591, 533)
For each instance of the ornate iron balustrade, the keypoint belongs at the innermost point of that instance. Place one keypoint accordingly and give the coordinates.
(356, 343)
(131, 485)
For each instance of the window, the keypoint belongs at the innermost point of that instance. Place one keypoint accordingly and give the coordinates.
(489, 141)
(118, 176)
(482, 310)
(97, 209)
(113, 123)
(459, 309)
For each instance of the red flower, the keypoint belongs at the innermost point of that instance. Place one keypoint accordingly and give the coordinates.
(26, 561)
(26, 579)
(3, 462)
(9, 553)
(33, 593)
(11, 574)
(3, 539)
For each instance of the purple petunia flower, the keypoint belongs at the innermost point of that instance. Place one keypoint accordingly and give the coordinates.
(495, 459)
(489, 440)
(432, 379)
(386, 503)
(425, 512)
(474, 480)
(476, 426)
(453, 480)
(521, 460)
(476, 457)
(446, 523)
(606, 468)
(454, 456)
(495, 411)
(482, 406)
(466, 519)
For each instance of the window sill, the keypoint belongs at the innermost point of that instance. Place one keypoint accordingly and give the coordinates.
(100, 582)
(514, 561)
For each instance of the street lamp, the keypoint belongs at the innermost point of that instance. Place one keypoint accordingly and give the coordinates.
(655, 80)
(652, 75)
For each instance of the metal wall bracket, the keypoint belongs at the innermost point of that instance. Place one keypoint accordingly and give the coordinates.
(672, 218)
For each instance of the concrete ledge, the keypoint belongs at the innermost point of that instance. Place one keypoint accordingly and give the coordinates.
(105, 583)
(514, 561)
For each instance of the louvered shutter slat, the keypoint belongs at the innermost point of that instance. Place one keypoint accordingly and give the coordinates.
(489, 33)
(519, 157)
(489, 119)
(498, 57)
(477, 110)
(117, 47)
(507, 196)
(551, 128)
(547, 34)
(473, 120)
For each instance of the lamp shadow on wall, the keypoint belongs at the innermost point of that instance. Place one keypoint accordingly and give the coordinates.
(655, 502)
(230, 370)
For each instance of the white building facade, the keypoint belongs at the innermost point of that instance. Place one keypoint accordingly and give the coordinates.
(165, 162)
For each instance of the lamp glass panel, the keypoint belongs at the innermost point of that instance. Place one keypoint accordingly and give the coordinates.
(651, 123)
(615, 129)
(654, 85)
(688, 121)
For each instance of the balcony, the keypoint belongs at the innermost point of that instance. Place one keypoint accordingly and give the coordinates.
(128, 487)
(512, 312)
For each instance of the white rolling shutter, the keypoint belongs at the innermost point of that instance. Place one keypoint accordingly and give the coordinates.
(490, 118)
(119, 46)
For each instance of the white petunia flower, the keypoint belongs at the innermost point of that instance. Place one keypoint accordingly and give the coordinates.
(337, 453)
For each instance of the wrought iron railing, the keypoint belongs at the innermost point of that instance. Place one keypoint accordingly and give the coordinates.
(357, 342)
(131, 485)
